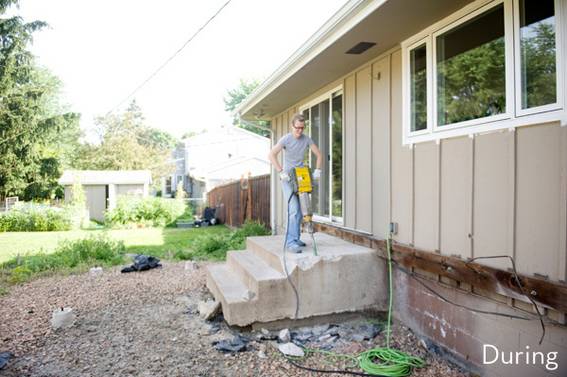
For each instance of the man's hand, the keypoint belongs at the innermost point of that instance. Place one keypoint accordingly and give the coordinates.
(284, 177)
(317, 174)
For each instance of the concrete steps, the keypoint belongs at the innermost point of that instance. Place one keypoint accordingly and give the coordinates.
(252, 286)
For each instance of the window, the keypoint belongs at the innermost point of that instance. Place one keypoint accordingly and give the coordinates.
(324, 124)
(418, 90)
(167, 190)
(470, 69)
(537, 53)
(490, 66)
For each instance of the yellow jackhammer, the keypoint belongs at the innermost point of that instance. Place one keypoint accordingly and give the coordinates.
(302, 184)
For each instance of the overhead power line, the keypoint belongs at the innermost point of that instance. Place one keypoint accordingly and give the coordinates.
(151, 76)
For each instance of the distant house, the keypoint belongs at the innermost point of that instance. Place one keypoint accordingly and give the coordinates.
(102, 187)
(217, 156)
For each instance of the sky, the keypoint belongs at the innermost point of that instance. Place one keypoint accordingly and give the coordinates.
(102, 50)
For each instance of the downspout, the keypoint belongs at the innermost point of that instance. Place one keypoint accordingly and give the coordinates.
(273, 182)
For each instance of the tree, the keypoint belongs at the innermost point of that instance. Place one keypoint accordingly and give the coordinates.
(30, 118)
(127, 143)
(234, 97)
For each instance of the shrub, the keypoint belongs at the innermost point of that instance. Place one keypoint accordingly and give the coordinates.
(38, 218)
(94, 251)
(150, 211)
(215, 247)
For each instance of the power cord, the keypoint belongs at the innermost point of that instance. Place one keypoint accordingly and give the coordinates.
(285, 263)
(379, 361)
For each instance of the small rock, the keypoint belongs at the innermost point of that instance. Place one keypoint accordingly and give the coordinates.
(191, 266)
(291, 349)
(95, 271)
(236, 344)
(284, 336)
(208, 309)
(319, 330)
(214, 328)
(303, 337)
(262, 354)
(62, 318)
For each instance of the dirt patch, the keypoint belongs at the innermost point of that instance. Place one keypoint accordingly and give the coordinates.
(144, 324)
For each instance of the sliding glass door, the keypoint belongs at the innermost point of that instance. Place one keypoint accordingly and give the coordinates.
(324, 122)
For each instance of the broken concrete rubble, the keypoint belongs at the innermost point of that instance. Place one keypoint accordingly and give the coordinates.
(208, 309)
(290, 349)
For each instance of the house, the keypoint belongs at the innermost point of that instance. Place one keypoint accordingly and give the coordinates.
(217, 156)
(191, 185)
(444, 123)
(102, 187)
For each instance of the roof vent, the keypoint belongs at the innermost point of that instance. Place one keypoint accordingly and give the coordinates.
(360, 48)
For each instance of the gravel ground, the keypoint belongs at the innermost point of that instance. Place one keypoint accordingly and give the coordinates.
(145, 324)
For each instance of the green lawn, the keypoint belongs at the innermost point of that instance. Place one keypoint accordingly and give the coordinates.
(153, 241)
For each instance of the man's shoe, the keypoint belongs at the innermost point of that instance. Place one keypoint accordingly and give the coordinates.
(301, 243)
(294, 248)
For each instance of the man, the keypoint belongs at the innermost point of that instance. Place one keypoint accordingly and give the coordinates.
(294, 143)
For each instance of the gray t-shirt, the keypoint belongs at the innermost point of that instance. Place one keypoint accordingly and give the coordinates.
(294, 150)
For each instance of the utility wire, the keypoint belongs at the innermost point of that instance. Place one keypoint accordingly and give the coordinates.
(169, 59)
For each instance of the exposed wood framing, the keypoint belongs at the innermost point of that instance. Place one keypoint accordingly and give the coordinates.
(544, 292)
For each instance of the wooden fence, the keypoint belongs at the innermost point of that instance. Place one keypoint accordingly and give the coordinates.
(247, 199)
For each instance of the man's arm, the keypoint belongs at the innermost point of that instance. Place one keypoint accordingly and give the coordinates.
(317, 152)
(273, 156)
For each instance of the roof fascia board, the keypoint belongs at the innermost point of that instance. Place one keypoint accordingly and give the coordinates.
(344, 20)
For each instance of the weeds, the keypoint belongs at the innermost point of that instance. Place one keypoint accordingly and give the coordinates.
(69, 255)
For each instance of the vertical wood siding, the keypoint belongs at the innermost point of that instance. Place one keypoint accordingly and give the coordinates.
(381, 147)
(501, 193)
(349, 158)
(363, 184)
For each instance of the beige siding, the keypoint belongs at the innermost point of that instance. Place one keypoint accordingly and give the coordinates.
(349, 157)
(493, 216)
(363, 162)
(500, 193)
(279, 193)
(401, 173)
(426, 196)
(456, 196)
(381, 147)
(539, 207)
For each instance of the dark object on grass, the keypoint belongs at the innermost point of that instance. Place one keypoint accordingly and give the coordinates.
(4, 357)
(208, 218)
(142, 263)
(236, 344)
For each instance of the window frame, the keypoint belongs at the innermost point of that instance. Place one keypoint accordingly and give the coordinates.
(558, 64)
(328, 96)
(428, 76)
(513, 116)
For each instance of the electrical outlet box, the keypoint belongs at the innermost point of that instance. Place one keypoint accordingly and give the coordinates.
(394, 228)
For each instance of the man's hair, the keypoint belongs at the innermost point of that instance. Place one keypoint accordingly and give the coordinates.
(297, 118)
